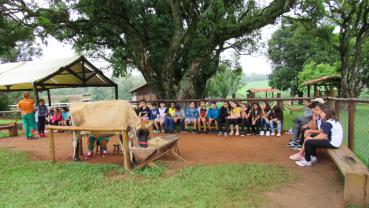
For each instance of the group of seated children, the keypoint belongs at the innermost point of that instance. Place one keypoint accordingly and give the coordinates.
(232, 118)
(56, 116)
(319, 128)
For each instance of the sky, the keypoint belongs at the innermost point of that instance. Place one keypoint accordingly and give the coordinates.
(257, 63)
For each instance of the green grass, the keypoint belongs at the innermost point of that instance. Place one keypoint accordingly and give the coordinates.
(2, 121)
(26, 183)
(361, 141)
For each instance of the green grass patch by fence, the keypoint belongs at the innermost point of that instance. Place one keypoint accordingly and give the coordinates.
(6, 121)
(43, 184)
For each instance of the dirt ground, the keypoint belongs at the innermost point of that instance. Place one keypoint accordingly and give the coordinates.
(317, 186)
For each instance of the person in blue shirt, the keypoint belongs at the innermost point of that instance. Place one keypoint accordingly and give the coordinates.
(192, 114)
(42, 114)
(154, 112)
(65, 117)
(212, 115)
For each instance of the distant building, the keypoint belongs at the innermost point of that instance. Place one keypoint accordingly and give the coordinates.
(143, 92)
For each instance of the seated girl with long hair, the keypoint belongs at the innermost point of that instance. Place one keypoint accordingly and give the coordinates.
(331, 136)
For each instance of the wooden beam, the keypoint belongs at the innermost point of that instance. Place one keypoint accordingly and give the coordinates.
(81, 128)
(74, 85)
(35, 92)
(92, 75)
(116, 92)
(308, 90)
(48, 97)
(74, 74)
(83, 72)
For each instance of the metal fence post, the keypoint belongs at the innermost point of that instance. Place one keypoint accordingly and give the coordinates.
(351, 125)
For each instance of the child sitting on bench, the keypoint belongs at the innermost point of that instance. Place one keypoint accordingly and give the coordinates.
(331, 136)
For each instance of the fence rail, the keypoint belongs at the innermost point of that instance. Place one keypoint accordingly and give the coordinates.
(352, 112)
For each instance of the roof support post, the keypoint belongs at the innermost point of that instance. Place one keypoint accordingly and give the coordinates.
(48, 97)
(308, 90)
(116, 91)
(35, 93)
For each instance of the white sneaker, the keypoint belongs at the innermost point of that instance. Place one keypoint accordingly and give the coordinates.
(267, 133)
(278, 134)
(296, 157)
(303, 163)
(313, 159)
(272, 134)
(261, 133)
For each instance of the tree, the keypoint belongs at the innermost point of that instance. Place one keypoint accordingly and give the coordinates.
(313, 70)
(175, 44)
(17, 40)
(295, 44)
(352, 19)
(224, 82)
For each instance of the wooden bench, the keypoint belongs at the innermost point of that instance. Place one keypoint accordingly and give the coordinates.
(12, 128)
(356, 188)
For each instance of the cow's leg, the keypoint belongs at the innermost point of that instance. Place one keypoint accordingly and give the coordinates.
(76, 138)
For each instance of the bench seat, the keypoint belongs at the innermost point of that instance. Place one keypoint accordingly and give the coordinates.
(356, 188)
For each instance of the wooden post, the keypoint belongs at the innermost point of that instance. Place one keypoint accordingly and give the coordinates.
(308, 90)
(35, 93)
(52, 145)
(266, 94)
(49, 97)
(116, 92)
(127, 161)
(351, 125)
(316, 92)
(337, 108)
(13, 131)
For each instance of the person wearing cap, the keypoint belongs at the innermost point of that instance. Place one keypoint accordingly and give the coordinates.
(26, 107)
(213, 114)
(330, 135)
(300, 121)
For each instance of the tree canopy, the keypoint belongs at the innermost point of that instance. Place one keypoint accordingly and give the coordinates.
(17, 40)
(295, 44)
(227, 80)
(349, 41)
(175, 44)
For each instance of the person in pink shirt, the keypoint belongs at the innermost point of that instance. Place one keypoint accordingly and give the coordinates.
(57, 117)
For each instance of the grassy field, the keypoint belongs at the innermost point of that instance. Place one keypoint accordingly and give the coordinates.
(257, 84)
(43, 184)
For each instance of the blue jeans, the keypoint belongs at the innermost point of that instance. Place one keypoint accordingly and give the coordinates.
(179, 122)
(264, 125)
(169, 124)
(279, 125)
